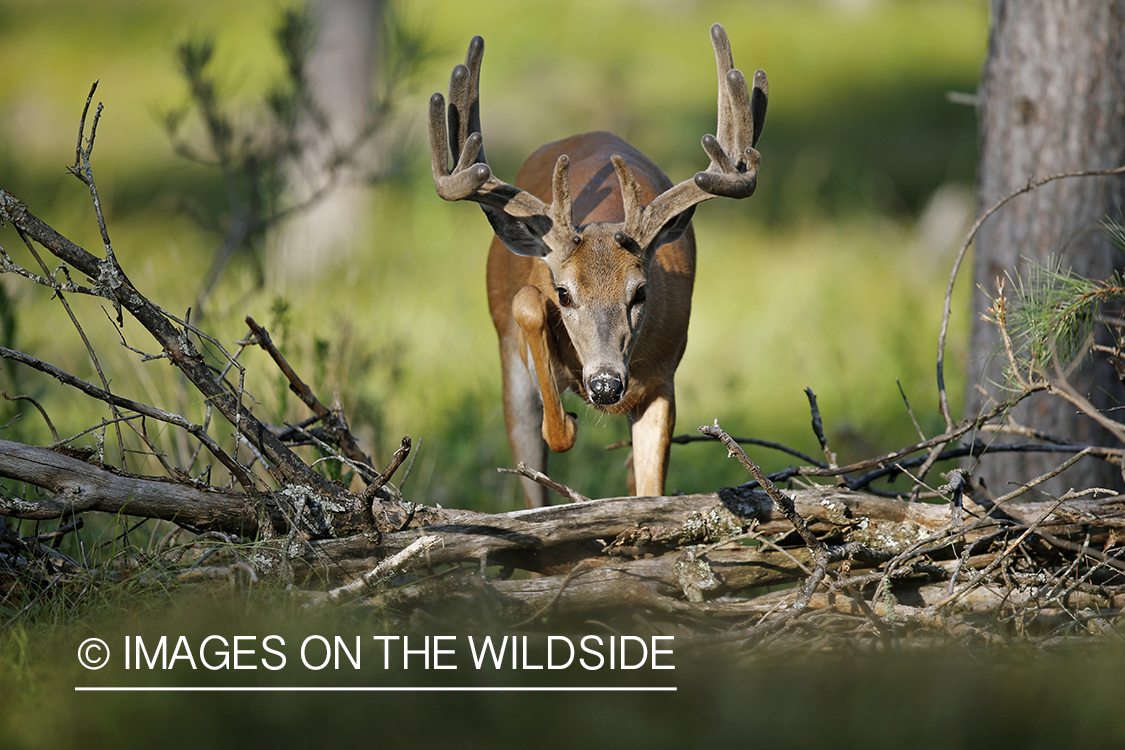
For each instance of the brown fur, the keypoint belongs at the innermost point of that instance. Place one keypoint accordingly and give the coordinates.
(599, 266)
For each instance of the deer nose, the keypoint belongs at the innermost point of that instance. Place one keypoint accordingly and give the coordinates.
(606, 389)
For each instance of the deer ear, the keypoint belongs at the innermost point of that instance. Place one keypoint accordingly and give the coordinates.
(516, 234)
(674, 229)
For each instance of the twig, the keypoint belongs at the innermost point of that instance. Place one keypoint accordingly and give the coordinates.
(818, 429)
(784, 503)
(977, 449)
(684, 439)
(1101, 557)
(582, 566)
(381, 573)
(909, 410)
(940, 440)
(37, 405)
(286, 466)
(539, 477)
(78, 326)
(244, 478)
(1044, 477)
(372, 490)
(982, 575)
(335, 426)
(410, 466)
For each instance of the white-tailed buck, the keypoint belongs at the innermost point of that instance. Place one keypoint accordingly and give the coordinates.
(592, 290)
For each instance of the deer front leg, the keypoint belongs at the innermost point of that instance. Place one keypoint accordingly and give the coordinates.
(653, 421)
(530, 311)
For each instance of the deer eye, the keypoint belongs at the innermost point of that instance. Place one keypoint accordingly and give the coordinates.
(639, 295)
(564, 296)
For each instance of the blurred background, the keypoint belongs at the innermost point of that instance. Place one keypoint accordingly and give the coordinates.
(830, 277)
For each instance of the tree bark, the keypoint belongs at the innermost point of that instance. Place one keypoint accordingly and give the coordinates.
(342, 69)
(1052, 100)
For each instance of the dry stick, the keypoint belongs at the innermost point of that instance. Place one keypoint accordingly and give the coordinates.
(684, 439)
(979, 449)
(939, 441)
(37, 405)
(7, 265)
(60, 532)
(539, 477)
(927, 464)
(1060, 387)
(910, 410)
(1101, 557)
(886, 635)
(818, 429)
(784, 503)
(114, 285)
(382, 572)
(409, 466)
(582, 566)
(328, 448)
(208, 409)
(928, 545)
(82, 334)
(236, 470)
(103, 424)
(934, 454)
(336, 428)
(369, 493)
(1042, 478)
(980, 577)
(1032, 528)
(765, 542)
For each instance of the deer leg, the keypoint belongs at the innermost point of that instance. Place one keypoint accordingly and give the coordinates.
(530, 311)
(523, 415)
(653, 421)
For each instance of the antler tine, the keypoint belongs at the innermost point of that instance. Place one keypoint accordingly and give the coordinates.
(630, 197)
(562, 217)
(733, 172)
(724, 63)
(463, 133)
(759, 98)
(466, 177)
(464, 99)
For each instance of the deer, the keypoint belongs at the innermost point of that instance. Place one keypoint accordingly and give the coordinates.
(591, 269)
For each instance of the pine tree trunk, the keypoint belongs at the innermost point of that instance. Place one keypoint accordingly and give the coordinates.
(342, 68)
(1052, 100)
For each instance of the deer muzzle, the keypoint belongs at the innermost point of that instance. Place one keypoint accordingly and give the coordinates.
(605, 389)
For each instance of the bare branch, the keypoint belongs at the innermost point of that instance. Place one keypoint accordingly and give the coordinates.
(244, 478)
(335, 426)
(539, 477)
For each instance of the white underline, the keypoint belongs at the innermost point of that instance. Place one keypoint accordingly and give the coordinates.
(405, 689)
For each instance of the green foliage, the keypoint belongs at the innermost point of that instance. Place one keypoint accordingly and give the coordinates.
(1055, 313)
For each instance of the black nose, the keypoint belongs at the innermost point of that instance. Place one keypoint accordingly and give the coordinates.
(606, 390)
